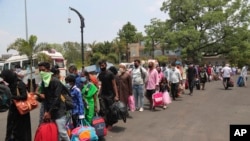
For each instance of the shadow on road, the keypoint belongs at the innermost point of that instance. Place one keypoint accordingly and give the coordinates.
(117, 129)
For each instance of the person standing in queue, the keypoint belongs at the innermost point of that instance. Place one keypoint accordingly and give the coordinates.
(108, 91)
(54, 107)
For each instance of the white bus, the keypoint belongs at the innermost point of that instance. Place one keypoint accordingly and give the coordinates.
(22, 60)
(1, 67)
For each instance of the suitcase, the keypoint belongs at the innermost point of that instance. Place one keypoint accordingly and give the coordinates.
(46, 131)
(100, 127)
(157, 99)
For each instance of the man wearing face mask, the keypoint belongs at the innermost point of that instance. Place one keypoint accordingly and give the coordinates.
(54, 109)
(175, 79)
(108, 91)
(139, 77)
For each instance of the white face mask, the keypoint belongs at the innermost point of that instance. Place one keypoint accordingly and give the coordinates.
(121, 70)
(67, 85)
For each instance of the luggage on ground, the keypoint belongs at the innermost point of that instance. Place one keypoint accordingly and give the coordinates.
(240, 81)
(157, 99)
(46, 131)
(100, 127)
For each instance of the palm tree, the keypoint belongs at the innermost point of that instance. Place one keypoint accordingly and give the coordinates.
(28, 48)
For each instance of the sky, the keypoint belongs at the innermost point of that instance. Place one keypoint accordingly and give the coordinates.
(48, 19)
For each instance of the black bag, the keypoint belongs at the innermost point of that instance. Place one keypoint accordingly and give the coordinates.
(5, 95)
(120, 110)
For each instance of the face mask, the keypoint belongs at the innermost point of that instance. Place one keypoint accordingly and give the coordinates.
(46, 76)
(136, 65)
(150, 66)
(67, 85)
(83, 79)
(122, 70)
(103, 69)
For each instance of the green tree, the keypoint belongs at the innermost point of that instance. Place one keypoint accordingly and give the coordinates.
(207, 27)
(155, 35)
(128, 34)
(72, 53)
(27, 47)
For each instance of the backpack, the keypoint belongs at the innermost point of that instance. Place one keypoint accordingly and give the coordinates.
(5, 95)
(100, 127)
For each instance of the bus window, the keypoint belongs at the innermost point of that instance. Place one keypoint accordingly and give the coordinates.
(25, 64)
(59, 62)
(35, 63)
(13, 64)
(6, 66)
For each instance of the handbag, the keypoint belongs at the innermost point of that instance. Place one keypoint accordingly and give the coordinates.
(131, 103)
(25, 106)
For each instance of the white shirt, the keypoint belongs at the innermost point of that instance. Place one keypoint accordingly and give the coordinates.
(137, 76)
(226, 72)
(244, 71)
(175, 76)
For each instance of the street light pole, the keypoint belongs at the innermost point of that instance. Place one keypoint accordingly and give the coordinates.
(82, 26)
(26, 19)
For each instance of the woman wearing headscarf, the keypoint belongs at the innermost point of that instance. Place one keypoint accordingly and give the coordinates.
(18, 126)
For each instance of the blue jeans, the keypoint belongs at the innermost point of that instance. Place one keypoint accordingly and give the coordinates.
(63, 135)
(138, 91)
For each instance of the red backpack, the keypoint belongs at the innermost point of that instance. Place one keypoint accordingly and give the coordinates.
(46, 132)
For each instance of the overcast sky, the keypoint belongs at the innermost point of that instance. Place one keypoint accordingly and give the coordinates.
(48, 19)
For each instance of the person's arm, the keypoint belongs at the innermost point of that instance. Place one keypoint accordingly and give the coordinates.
(115, 89)
(79, 102)
(129, 81)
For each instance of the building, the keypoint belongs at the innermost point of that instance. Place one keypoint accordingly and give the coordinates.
(137, 51)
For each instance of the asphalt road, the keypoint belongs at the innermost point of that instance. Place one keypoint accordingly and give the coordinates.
(205, 116)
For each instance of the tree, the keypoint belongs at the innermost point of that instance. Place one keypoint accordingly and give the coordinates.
(128, 34)
(28, 48)
(155, 35)
(208, 27)
(72, 53)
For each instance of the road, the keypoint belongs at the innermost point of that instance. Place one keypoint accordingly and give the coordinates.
(205, 116)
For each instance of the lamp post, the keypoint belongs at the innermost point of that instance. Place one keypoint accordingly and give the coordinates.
(82, 26)
(26, 19)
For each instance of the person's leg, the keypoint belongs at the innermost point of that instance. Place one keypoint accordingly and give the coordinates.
(136, 95)
(176, 87)
(141, 97)
(174, 90)
(245, 80)
(62, 131)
